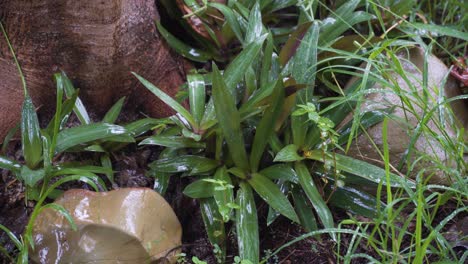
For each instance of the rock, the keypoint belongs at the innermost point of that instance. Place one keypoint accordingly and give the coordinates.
(428, 153)
(97, 44)
(129, 225)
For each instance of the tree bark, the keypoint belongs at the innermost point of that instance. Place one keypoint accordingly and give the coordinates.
(97, 43)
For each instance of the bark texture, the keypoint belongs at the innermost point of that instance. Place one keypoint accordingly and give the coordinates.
(97, 43)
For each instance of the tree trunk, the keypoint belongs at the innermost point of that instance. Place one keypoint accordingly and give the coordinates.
(97, 43)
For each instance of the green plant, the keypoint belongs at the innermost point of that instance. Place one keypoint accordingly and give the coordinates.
(214, 140)
(266, 125)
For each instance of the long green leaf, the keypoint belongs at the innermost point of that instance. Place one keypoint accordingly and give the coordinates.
(247, 224)
(161, 179)
(224, 195)
(272, 195)
(12, 236)
(281, 171)
(233, 75)
(185, 163)
(167, 99)
(266, 127)
(308, 185)
(304, 211)
(172, 142)
(231, 19)
(10, 165)
(113, 113)
(255, 26)
(355, 201)
(76, 136)
(441, 30)
(213, 224)
(30, 134)
(236, 69)
(288, 154)
(199, 189)
(229, 120)
(365, 170)
(197, 96)
(31, 177)
(182, 48)
(79, 108)
(59, 208)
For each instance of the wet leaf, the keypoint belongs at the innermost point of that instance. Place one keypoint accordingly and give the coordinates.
(182, 48)
(166, 99)
(12, 236)
(367, 120)
(107, 164)
(161, 179)
(366, 170)
(309, 187)
(231, 19)
(229, 120)
(75, 136)
(255, 26)
(288, 154)
(62, 211)
(213, 224)
(184, 163)
(355, 201)
(113, 113)
(304, 62)
(199, 189)
(247, 224)
(266, 126)
(236, 69)
(30, 134)
(139, 127)
(31, 177)
(272, 195)
(79, 109)
(281, 172)
(172, 142)
(223, 195)
(272, 213)
(304, 211)
(197, 96)
(441, 30)
(10, 165)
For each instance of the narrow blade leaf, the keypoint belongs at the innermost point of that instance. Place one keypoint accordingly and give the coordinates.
(247, 224)
(273, 196)
(229, 120)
